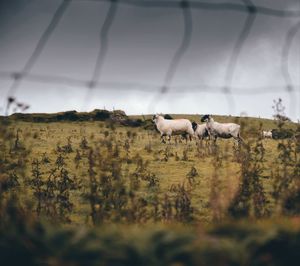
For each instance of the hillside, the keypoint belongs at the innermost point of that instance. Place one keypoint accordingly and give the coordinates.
(104, 181)
(132, 143)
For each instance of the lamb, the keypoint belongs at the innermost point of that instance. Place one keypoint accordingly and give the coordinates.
(222, 130)
(200, 130)
(173, 127)
(267, 134)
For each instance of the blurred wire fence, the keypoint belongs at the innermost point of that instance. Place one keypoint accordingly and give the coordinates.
(250, 9)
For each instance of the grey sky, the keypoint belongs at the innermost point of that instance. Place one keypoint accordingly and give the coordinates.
(141, 44)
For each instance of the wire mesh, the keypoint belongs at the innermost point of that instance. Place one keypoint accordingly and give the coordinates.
(246, 7)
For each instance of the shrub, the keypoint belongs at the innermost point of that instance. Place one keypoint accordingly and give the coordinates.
(166, 116)
(100, 115)
(68, 116)
(282, 133)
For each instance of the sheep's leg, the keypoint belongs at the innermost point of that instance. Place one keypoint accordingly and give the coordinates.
(215, 139)
(209, 135)
(183, 137)
(162, 138)
(199, 142)
(186, 139)
(239, 139)
(190, 134)
(236, 140)
(169, 139)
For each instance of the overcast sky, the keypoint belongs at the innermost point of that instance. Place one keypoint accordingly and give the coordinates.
(141, 45)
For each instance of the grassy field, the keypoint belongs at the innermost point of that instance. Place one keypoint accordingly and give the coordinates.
(115, 195)
(170, 164)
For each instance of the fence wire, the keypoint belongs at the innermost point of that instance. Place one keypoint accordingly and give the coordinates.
(102, 51)
(59, 13)
(236, 52)
(290, 88)
(184, 45)
(247, 7)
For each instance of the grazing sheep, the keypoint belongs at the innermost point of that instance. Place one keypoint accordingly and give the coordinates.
(222, 130)
(183, 136)
(267, 134)
(173, 127)
(200, 130)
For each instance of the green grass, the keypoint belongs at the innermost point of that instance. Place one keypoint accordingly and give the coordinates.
(126, 154)
(43, 138)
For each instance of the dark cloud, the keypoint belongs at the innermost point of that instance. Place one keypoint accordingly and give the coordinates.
(141, 44)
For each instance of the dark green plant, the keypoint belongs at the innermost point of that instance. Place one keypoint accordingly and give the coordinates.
(185, 154)
(77, 158)
(251, 199)
(37, 183)
(191, 175)
(183, 205)
(45, 158)
(60, 161)
(68, 147)
(84, 144)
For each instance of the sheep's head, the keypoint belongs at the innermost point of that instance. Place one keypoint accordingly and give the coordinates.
(205, 118)
(194, 125)
(155, 118)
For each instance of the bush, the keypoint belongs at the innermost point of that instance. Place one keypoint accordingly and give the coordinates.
(68, 116)
(282, 133)
(133, 122)
(25, 241)
(166, 116)
(100, 115)
(291, 205)
(149, 125)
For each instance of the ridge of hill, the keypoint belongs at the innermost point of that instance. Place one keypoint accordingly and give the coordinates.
(145, 121)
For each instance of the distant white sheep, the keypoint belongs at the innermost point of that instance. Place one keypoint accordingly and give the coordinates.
(222, 130)
(200, 130)
(168, 127)
(267, 134)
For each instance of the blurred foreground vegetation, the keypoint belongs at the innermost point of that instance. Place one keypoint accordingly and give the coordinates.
(28, 241)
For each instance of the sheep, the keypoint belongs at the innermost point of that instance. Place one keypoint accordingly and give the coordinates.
(200, 130)
(176, 127)
(267, 134)
(222, 130)
(183, 136)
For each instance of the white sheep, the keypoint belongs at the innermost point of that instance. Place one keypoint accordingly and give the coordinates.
(200, 130)
(168, 127)
(267, 134)
(222, 130)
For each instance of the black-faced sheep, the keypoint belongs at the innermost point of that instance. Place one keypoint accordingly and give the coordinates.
(222, 130)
